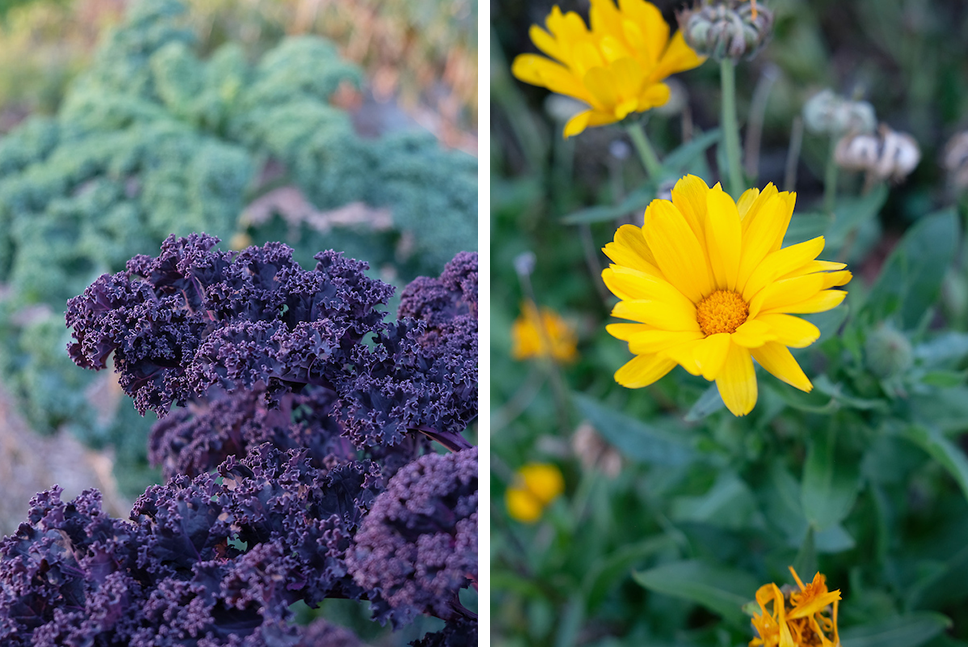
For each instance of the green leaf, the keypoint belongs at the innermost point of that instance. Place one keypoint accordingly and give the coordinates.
(728, 504)
(708, 403)
(908, 630)
(831, 481)
(636, 201)
(852, 213)
(601, 577)
(805, 562)
(684, 155)
(911, 279)
(830, 321)
(570, 622)
(806, 226)
(930, 439)
(637, 440)
(719, 589)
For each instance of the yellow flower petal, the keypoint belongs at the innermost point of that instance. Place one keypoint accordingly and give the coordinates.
(653, 96)
(790, 331)
(711, 353)
(629, 285)
(631, 249)
(753, 333)
(723, 238)
(776, 358)
(689, 196)
(678, 253)
(582, 120)
(654, 314)
(737, 381)
(643, 370)
(820, 302)
(761, 227)
(657, 341)
(677, 57)
(781, 262)
(625, 331)
(780, 294)
(543, 72)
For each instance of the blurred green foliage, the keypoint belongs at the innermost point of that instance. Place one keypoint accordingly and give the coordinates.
(865, 478)
(152, 140)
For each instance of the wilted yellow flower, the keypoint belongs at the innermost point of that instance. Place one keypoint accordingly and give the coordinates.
(616, 67)
(804, 618)
(710, 289)
(529, 340)
(535, 486)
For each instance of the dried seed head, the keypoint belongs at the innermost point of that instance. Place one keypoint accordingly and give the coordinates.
(885, 155)
(829, 113)
(726, 29)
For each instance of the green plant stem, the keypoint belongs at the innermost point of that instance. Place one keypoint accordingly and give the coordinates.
(646, 153)
(730, 127)
(830, 180)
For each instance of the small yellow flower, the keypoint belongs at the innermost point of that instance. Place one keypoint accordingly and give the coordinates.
(530, 340)
(616, 67)
(711, 290)
(804, 618)
(535, 486)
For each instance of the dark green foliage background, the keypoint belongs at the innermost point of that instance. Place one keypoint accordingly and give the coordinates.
(865, 478)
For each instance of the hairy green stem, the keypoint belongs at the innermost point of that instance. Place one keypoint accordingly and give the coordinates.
(646, 153)
(730, 128)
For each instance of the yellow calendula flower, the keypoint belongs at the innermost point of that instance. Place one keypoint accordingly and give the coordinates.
(532, 334)
(709, 287)
(804, 618)
(616, 67)
(535, 486)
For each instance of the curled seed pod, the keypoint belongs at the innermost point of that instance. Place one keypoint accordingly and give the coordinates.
(829, 113)
(884, 155)
(887, 352)
(955, 161)
(726, 29)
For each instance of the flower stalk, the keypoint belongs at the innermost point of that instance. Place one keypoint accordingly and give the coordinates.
(730, 127)
(646, 153)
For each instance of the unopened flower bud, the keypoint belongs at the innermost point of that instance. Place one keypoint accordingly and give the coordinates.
(828, 113)
(887, 352)
(956, 161)
(886, 154)
(726, 29)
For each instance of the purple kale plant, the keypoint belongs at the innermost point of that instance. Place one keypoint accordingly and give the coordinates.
(298, 456)
(418, 544)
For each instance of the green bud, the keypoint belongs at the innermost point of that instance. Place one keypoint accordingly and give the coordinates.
(726, 29)
(887, 352)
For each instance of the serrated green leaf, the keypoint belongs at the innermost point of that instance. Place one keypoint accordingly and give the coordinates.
(720, 589)
(637, 440)
(908, 630)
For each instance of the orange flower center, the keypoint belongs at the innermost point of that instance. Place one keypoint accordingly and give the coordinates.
(721, 311)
